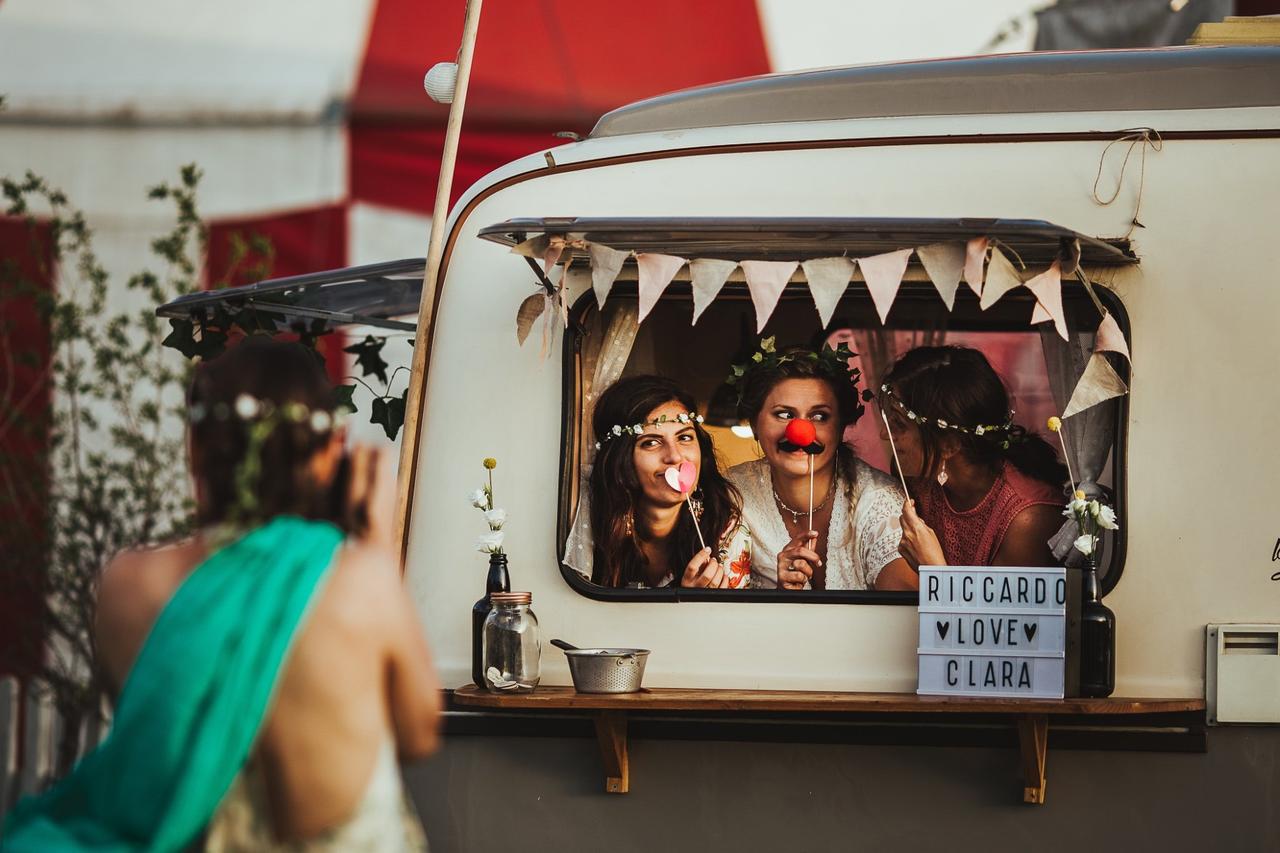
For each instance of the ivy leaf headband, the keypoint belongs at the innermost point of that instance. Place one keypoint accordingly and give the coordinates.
(831, 363)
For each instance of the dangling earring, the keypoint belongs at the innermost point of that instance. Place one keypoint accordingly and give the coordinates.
(629, 524)
(942, 475)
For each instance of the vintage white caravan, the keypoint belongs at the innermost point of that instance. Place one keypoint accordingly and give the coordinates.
(1160, 168)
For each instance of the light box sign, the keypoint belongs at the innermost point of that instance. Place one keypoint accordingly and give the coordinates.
(992, 631)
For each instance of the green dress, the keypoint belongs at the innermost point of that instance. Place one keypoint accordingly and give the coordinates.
(193, 703)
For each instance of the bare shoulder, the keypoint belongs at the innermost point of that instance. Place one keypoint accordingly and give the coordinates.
(365, 582)
(1035, 519)
(141, 576)
(1026, 538)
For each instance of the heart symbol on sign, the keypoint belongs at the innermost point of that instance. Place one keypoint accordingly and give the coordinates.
(943, 628)
(681, 478)
(1030, 630)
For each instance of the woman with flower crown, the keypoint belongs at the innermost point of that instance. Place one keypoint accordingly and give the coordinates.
(644, 532)
(854, 537)
(986, 492)
(268, 670)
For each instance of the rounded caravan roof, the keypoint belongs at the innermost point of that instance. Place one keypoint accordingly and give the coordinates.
(1178, 78)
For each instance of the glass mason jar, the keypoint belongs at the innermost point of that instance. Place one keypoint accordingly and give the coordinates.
(512, 645)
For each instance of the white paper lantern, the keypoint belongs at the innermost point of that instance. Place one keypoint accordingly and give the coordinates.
(441, 81)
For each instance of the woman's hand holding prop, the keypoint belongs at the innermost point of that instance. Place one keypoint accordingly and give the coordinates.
(682, 479)
(919, 545)
(703, 571)
(797, 560)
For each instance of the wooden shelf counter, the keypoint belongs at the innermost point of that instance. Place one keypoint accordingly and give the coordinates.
(609, 713)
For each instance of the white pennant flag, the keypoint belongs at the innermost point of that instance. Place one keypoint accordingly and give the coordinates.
(606, 263)
(975, 252)
(1110, 338)
(656, 272)
(1001, 278)
(708, 276)
(944, 262)
(766, 281)
(1048, 290)
(883, 275)
(1100, 382)
(828, 279)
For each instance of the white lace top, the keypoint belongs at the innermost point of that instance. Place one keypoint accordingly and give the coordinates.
(864, 533)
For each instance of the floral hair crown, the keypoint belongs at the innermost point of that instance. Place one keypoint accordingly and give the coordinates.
(618, 430)
(992, 430)
(250, 409)
(832, 363)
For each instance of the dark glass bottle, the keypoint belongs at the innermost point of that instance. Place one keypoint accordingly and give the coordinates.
(1097, 639)
(497, 581)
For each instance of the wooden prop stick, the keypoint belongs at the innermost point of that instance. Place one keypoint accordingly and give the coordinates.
(411, 438)
(897, 463)
(697, 526)
(810, 491)
(1055, 425)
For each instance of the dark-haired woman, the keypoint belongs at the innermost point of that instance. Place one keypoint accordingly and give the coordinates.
(268, 670)
(853, 542)
(987, 492)
(644, 531)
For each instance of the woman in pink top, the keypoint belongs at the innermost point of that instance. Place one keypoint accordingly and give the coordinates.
(987, 492)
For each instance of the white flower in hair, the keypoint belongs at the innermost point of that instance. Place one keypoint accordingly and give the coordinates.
(479, 499)
(1084, 544)
(490, 543)
(246, 407)
(636, 429)
(496, 518)
(321, 421)
(682, 418)
(617, 430)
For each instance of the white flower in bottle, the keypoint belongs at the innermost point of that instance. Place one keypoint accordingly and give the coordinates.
(496, 518)
(490, 543)
(1084, 544)
(1107, 518)
(478, 499)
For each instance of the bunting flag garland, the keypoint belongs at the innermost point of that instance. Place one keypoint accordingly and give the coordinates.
(1001, 278)
(1047, 287)
(944, 263)
(1110, 338)
(708, 276)
(883, 274)
(975, 253)
(606, 263)
(656, 272)
(828, 279)
(1099, 382)
(766, 281)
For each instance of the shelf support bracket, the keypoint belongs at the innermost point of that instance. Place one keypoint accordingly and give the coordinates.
(1033, 745)
(611, 735)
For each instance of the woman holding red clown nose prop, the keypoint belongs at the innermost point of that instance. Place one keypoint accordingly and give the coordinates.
(820, 518)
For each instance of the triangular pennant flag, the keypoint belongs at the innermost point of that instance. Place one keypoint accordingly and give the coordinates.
(1048, 290)
(828, 279)
(1110, 338)
(1039, 315)
(656, 272)
(1001, 278)
(975, 252)
(766, 281)
(534, 247)
(606, 263)
(708, 276)
(944, 262)
(551, 255)
(883, 274)
(1100, 382)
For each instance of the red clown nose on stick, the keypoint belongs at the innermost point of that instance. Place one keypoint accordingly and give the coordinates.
(801, 432)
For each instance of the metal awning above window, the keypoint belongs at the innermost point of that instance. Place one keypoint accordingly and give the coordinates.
(772, 238)
(367, 295)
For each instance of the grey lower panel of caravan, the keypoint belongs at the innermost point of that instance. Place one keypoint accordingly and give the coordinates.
(483, 793)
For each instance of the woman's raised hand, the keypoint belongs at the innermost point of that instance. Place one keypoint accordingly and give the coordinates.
(919, 545)
(797, 561)
(703, 570)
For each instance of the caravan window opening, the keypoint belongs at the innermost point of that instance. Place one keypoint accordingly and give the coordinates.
(699, 358)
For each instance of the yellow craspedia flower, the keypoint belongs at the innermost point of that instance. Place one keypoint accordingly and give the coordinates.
(1080, 495)
(1055, 424)
(490, 463)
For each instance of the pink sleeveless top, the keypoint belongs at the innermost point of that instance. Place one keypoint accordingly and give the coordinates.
(972, 537)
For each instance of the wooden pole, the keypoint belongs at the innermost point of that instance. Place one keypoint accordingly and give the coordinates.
(411, 435)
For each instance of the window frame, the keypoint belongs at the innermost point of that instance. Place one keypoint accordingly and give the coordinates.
(1073, 294)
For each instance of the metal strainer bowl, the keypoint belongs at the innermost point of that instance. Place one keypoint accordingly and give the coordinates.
(604, 670)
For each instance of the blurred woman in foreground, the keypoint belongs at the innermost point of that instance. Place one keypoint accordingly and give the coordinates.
(270, 668)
